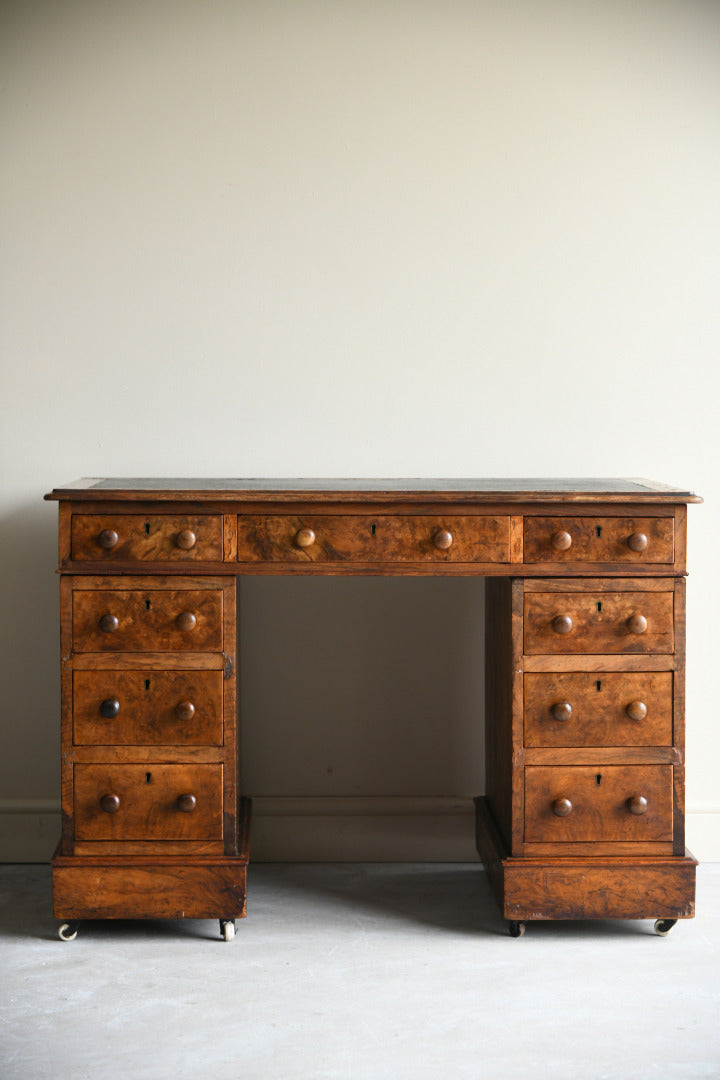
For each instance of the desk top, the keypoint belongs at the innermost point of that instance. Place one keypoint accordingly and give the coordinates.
(373, 490)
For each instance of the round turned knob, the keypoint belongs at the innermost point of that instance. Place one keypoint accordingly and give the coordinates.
(637, 804)
(636, 710)
(561, 540)
(107, 539)
(562, 807)
(442, 539)
(185, 710)
(186, 621)
(637, 624)
(110, 804)
(561, 711)
(108, 623)
(637, 541)
(109, 708)
(304, 538)
(186, 539)
(186, 803)
(562, 624)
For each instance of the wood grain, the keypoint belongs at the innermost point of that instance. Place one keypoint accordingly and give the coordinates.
(148, 796)
(600, 622)
(397, 538)
(599, 797)
(598, 708)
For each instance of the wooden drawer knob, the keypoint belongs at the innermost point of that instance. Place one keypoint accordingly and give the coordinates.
(109, 708)
(562, 624)
(107, 539)
(110, 804)
(108, 623)
(561, 711)
(186, 803)
(637, 804)
(637, 624)
(562, 807)
(637, 541)
(636, 710)
(186, 621)
(186, 540)
(304, 538)
(443, 539)
(185, 710)
(561, 540)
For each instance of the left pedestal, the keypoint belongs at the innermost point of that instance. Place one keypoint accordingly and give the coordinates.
(153, 826)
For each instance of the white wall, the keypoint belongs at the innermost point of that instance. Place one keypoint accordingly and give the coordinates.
(326, 238)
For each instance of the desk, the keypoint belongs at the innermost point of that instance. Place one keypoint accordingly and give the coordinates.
(583, 812)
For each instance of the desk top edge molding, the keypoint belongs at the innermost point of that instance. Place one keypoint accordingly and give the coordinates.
(427, 491)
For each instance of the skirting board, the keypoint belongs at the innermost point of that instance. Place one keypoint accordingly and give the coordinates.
(379, 829)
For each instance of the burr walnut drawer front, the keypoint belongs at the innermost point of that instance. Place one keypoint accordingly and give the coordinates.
(386, 539)
(126, 708)
(599, 539)
(147, 620)
(571, 804)
(148, 802)
(145, 538)
(598, 622)
(597, 708)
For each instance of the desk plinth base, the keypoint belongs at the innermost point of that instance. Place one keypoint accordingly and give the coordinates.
(153, 886)
(584, 887)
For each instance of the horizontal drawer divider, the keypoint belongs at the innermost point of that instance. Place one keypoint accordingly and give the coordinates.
(141, 754)
(601, 662)
(210, 661)
(602, 755)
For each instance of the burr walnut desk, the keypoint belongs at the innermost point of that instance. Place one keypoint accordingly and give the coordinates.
(582, 815)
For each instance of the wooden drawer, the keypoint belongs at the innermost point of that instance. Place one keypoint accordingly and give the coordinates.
(598, 708)
(144, 708)
(598, 621)
(147, 620)
(571, 804)
(146, 538)
(145, 802)
(380, 539)
(599, 540)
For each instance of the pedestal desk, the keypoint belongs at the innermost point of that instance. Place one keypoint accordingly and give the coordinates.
(582, 815)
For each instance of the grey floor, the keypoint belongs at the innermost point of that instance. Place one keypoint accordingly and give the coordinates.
(357, 972)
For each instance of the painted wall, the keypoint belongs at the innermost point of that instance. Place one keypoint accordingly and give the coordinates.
(325, 238)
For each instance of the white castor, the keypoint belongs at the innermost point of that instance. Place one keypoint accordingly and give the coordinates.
(227, 929)
(68, 931)
(664, 926)
(517, 929)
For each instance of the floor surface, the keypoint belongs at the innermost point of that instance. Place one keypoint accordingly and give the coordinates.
(357, 972)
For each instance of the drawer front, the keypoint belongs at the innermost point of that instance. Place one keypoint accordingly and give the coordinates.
(599, 540)
(599, 708)
(598, 622)
(148, 802)
(137, 537)
(148, 620)
(145, 708)
(571, 804)
(393, 539)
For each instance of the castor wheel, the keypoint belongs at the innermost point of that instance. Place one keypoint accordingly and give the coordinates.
(227, 929)
(664, 926)
(517, 929)
(67, 931)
